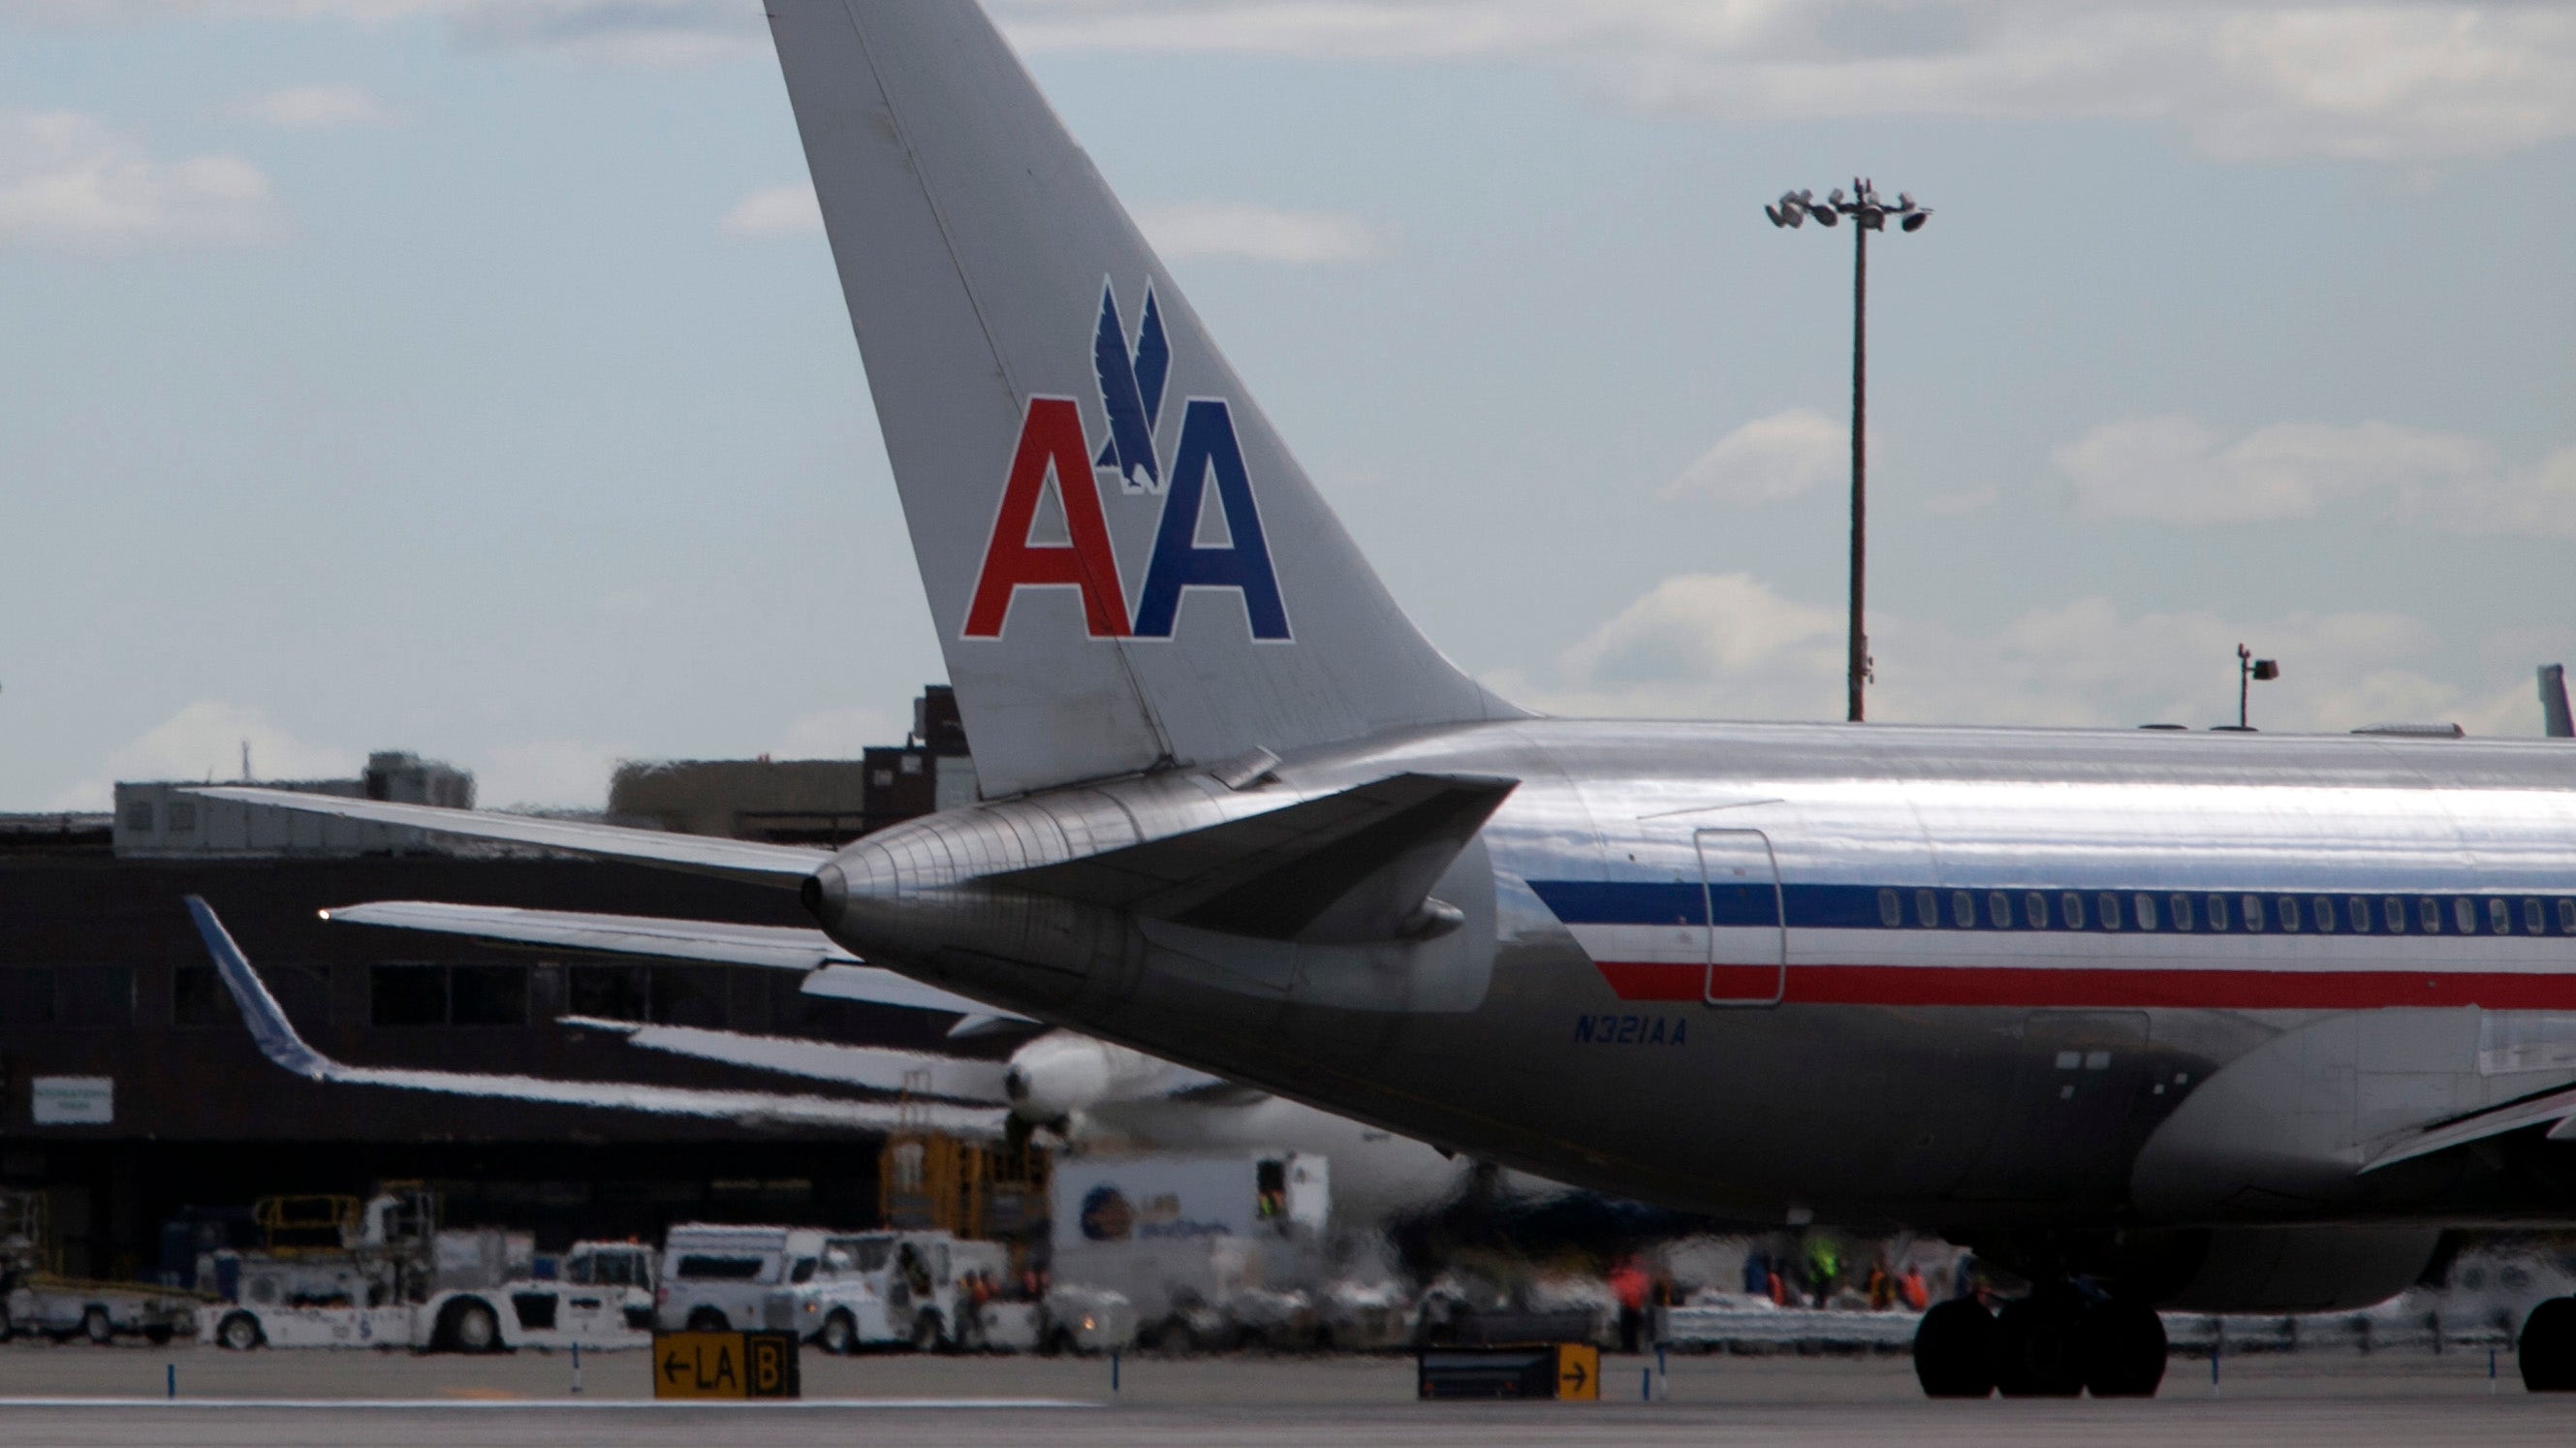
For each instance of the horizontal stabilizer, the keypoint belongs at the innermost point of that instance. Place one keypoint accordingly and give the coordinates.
(781, 947)
(1353, 866)
(786, 865)
(2554, 1109)
(278, 1041)
(831, 972)
(878, 1068)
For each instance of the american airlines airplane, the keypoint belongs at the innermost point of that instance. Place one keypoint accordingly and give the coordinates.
(2213, 1021)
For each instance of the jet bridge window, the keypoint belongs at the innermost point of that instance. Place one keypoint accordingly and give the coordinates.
(488, 995)
(407, 995)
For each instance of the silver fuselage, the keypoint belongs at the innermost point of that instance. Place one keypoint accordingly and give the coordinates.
(1697, 965)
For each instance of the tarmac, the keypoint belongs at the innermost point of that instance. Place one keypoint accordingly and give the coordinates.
(79, 1395)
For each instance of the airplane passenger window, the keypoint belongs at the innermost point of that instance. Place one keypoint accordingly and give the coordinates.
(2567, 917)
(2358, 910)
(2533, 922)
(2071, 906)
(2181, 912)
(2254, 912)
(2500, 917)
(1963, 909)
(1927, 907)
(1891, 911)
(2218, 912)
(2109, 905)
(2034, 910)
(2290, 912)
(1999, 910)
(2146, 912)
(2464, 916)
(2395, 911)
(2429, 914)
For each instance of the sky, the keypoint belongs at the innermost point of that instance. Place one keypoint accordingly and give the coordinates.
(470, 376)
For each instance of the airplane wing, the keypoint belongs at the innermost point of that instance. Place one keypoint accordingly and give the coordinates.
(279, 1042)
(879, 1068)
(831, 972)
(2556, 1109)
(783, 865)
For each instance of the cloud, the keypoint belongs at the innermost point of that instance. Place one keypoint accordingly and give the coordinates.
(2180, 471)
(777, 211)
(68, 182)
(1769, 459)
(1728, 647)
(1249, 232)
(839, 733)
(205, 741)
(314, 108)
(2245, 79)
(1956, 505)
(546, 774)
(624, 32)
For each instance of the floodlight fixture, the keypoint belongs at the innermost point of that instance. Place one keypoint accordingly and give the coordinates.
(1869, 213)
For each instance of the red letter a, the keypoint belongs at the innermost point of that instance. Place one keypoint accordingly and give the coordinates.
(1051, 441)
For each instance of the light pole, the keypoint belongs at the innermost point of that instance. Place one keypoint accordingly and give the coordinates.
(2249, 672)
(1868, 213)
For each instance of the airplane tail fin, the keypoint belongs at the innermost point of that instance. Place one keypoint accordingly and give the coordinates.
(1126, 567)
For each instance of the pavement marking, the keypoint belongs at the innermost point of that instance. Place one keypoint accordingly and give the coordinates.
(588, 1405)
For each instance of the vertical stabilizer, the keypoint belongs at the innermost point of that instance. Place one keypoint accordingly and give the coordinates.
(1126, 567)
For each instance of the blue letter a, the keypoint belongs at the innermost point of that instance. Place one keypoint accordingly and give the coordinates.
(1208, 445)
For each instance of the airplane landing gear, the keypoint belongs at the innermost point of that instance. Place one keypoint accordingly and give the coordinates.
(2547, 1348)
(2055, 1344)
(1954, 1350)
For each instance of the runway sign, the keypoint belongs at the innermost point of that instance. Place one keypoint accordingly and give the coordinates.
(725, 1365)
(1562, 1370)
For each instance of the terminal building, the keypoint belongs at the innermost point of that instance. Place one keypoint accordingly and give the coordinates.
(133, 1098)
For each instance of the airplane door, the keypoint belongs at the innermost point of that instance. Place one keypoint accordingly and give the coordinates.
(1748, 939)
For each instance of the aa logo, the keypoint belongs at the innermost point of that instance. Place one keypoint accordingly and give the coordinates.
(1208, 536)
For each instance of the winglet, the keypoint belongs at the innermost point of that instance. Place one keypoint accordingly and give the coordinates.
(268, 1023)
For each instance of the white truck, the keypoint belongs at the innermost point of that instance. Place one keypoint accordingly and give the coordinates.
(482, 1298)
(1203, 1251)
(843, 1291)
(37, 1302)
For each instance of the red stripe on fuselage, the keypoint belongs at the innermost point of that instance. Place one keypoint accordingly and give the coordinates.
(1954, 985)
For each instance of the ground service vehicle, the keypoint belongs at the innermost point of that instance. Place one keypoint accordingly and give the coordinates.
(2214, 1021)
(842, 1291)
(38, 1301)
(1205, 1251)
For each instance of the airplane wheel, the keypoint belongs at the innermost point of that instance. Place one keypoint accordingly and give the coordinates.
(2548, 1347)
(1954, 1350)
(2040, 1346)
(2124, 1350)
